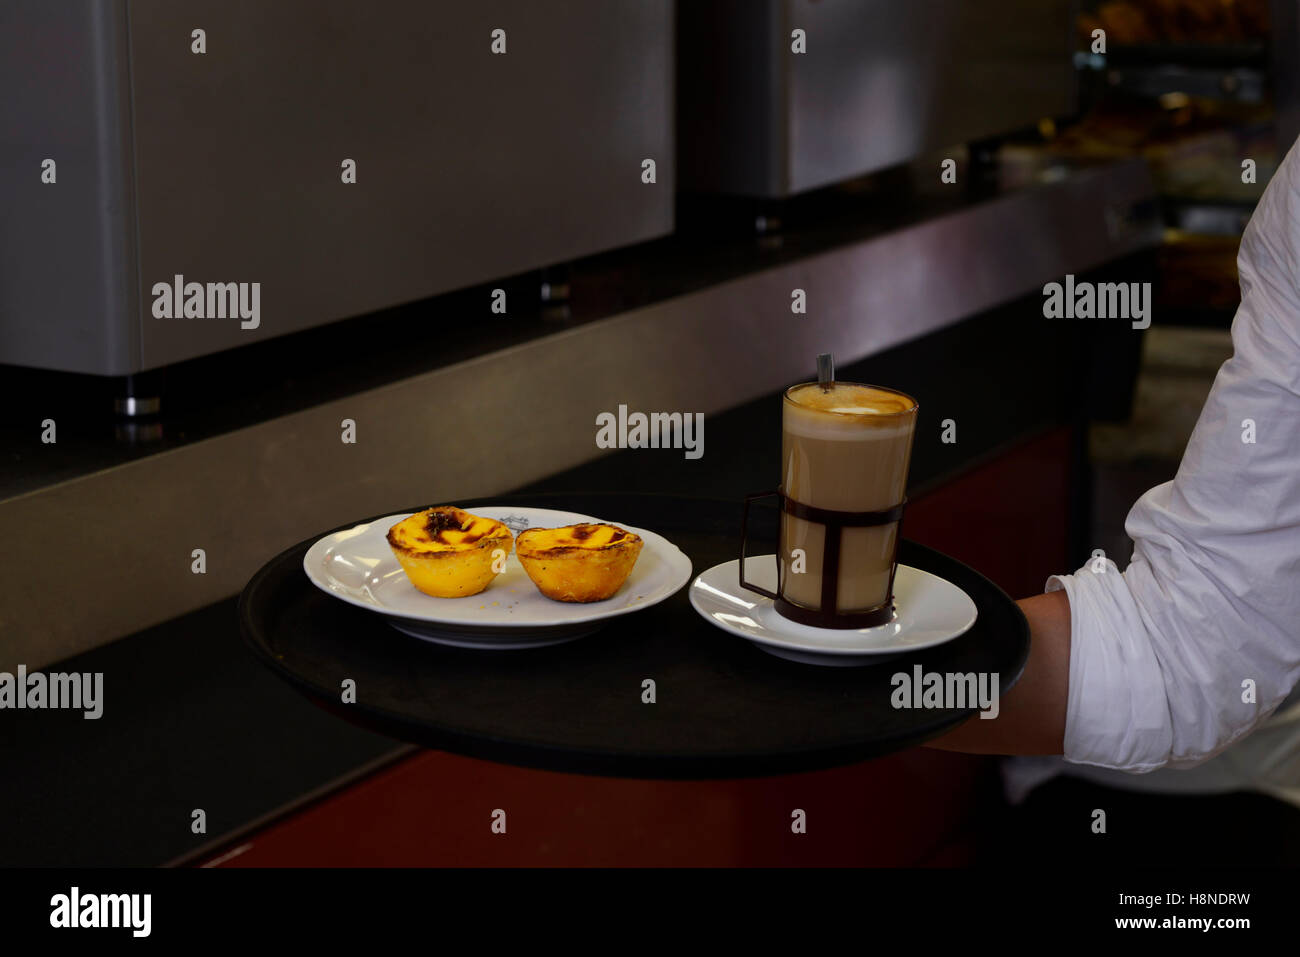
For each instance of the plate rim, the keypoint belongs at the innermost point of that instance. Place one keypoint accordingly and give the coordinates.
(831, 652)
(521, 627)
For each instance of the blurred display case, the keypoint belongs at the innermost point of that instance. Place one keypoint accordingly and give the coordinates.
(778, 97)
(1205, 92)
(226, 165)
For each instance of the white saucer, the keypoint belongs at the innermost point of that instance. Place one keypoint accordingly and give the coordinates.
(928, 611)
(358, 567)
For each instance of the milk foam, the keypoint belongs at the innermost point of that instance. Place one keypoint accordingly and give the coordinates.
(848, 411)
(852, 398)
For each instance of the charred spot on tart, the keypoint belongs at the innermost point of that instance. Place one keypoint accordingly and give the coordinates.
(439, 521)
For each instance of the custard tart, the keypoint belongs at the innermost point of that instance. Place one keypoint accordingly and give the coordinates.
(449, 553)
(578, 562)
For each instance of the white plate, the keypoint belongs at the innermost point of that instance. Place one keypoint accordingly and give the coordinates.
(358, 567)
(928, 611)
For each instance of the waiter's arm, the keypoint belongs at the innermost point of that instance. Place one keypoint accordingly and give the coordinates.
(1031, 716)
(1167, 663)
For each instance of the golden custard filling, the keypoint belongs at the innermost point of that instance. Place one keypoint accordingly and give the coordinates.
(448, 552)
(579, 563)
(537, 540)
(444, 529)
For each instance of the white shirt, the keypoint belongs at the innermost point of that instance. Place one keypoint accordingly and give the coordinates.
(1164, 656)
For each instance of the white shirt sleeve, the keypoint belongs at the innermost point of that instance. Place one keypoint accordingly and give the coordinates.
(1163, 655)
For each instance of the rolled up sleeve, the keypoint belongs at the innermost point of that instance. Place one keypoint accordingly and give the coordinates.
(1198, 640)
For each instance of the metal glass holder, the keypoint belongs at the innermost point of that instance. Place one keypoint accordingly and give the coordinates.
(834, 522)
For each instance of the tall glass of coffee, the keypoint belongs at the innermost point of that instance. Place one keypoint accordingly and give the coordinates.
(846, 448)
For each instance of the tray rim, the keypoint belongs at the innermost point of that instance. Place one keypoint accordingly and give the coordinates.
(552, 756)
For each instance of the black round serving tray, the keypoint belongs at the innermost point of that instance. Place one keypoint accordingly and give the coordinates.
(723, 708)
